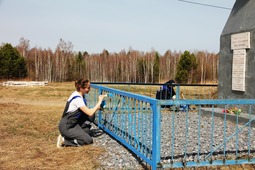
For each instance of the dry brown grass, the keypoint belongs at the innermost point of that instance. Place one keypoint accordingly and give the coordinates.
(29, 119)
(29, 129)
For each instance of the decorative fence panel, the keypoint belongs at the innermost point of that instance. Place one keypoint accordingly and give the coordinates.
(187, 134)
(130, 119)
(222, 134)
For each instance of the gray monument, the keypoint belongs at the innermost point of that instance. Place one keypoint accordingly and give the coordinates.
(236, 76)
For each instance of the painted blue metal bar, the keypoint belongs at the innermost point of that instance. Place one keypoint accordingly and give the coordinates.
(208, 102)
(173, 115)
(177, 92)
(224, 132)
(237, 132)
(145, 144)
(135, 121)
(139, 126)
(249, 134)
(186, 137)
(133, 149)
(199, 125)
(209, 163)
(143, 127)
(156, 143)
(212, 132)
(240, 129)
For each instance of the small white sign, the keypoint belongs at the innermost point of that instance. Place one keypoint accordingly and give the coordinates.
(240, 41)
(238, 70)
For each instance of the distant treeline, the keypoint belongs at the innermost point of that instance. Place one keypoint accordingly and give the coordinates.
(64, 64)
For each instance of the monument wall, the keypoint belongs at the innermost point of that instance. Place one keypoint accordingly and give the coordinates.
(236, 76)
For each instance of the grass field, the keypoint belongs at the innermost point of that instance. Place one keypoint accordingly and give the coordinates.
(29, 128)
(190, 92)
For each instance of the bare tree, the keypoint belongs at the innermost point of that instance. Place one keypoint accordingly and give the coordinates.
(23, 46)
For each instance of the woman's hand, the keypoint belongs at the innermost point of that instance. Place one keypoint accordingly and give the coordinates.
(100, 100)
(91, 111)
(101, 97)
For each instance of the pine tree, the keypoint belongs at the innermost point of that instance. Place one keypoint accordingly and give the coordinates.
(185, 68)
(12, 64)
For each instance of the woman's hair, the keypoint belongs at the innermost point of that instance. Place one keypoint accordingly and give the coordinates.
(81, 83)
(170, 83)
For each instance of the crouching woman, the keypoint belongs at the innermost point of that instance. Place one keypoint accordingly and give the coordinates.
(73, 129)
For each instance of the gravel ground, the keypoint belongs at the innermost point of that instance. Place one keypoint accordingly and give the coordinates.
(118, 157)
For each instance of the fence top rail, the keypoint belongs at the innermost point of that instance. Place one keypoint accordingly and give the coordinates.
(154, 84)
(207, 101)
(124, 93)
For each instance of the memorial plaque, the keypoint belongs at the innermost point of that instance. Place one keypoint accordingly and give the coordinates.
(238, 70)
(240, 41)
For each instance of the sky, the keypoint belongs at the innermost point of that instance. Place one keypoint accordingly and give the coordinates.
(115, 25)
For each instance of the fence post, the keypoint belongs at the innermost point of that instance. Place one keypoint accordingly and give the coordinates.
(100, 111)
(177, 92)
(156, 138)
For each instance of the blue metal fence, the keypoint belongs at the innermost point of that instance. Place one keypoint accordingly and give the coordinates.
(208, 136)
(131, 119)
(180, 136)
